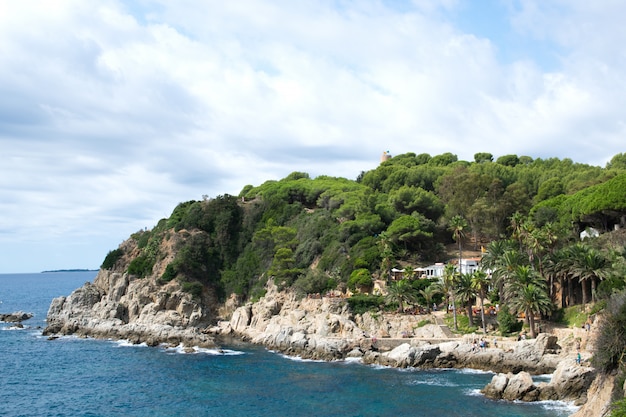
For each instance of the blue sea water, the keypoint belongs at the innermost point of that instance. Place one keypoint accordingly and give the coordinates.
(85, 377)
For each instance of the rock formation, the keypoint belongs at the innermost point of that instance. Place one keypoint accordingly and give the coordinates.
(569, 382)
(120, 306)
(16, 317)
(324, 329)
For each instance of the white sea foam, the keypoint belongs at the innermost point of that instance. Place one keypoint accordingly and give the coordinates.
(15, 328)
(432, 381)
(377, 366)
(542, 378)
(127, 343)
(182, 350)
(474, 392)
(568, 407)
(474, 371)
(300, 359)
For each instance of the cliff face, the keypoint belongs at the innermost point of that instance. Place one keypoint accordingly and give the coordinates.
(118, 305)
(121, 306)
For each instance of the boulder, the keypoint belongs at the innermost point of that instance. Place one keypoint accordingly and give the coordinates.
(401, 356)
(571, 380)
(16, 317)
(496, 387)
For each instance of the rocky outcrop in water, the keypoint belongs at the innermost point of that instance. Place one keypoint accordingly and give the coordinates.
(120, 306)
(569, 382)
(16, 317)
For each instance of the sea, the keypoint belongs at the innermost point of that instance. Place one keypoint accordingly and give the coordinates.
(73, 376)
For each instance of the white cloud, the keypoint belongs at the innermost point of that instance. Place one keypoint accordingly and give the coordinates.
(113, 112)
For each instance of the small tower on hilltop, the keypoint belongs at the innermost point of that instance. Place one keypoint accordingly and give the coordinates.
(385, 157)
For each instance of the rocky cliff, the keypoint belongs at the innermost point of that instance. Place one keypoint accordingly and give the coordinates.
(323, 328)
(118, 305)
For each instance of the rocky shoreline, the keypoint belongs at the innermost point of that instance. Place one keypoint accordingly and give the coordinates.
(119, 306)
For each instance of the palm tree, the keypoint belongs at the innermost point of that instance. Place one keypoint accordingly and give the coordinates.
(448, 284)
(532, 299)
(467, 294)
(522, 276)
(481, 282)
(517, 228)
(386, 253)
(458, 225)
(591, 267)
(400, 292)
(525, 288)
(555, 271)
(505, 269)
(429, 294)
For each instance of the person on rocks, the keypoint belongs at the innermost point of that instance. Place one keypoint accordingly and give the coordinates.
(578, 358)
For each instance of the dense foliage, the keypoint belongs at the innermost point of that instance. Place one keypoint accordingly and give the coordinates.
(318, 234)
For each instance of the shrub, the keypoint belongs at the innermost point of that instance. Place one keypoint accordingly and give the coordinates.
(194, 288)
(169, 274)
(360, 303)
(508, 322)
(314, 282)
(618, 408)
(140, 266)
(611, 342)
(111, 258)
(462, 324)
(360, 278)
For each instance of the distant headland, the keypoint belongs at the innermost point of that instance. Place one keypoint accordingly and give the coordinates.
(68, 270)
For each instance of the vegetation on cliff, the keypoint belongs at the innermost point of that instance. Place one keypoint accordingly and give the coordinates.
(313, 233)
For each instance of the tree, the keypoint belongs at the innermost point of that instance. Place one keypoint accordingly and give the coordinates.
(617, 162)
(360, 279)
(407, 200)
(589, 268)
(508, 160)
(458, 226)
(400, 292)
(467, 294)
(414, 232)
(429, 294)
(386, 255)
(532, 299)
(482, 157)
(481, 282)
(448, 284)
(527, 293)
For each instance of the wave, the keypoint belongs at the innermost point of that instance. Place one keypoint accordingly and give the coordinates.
(15, 328)
(183, 350)
(298, 358)
(127, 343)
(474, 371)
(432, 381)
(353, 360)
(568, 407)
(542, 378)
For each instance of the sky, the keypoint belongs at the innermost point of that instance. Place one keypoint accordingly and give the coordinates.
(113, 112)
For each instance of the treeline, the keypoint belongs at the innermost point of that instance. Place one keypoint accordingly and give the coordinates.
(313, 233)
